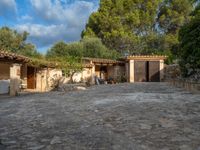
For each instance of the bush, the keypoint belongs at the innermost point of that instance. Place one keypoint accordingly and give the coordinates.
(189, 51)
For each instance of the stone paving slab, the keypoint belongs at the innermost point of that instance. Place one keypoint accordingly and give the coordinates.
(140, 116)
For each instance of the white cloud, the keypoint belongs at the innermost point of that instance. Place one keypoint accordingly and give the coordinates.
(26, 18)
(55, 21)
(8, 7)
(52, 11)
(43, 36)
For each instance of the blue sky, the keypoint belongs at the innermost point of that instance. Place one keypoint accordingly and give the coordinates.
(47, 21)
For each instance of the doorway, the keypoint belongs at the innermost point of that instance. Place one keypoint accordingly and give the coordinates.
(147, 71)
(31, 83)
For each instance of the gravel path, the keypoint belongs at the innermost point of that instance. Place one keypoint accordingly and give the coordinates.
(140, 116)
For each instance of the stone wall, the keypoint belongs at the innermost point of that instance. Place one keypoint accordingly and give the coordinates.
(173, 76)
(47, 79)
(186, 84)
(171, 72)
(83, 76)
(15, 74)
(120, 73)
(24, 76)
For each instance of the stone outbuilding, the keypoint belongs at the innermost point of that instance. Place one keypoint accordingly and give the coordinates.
(136, 68)
(106, 68)
(10, 72)
(39, 78)
(18, 73)
(145, 68)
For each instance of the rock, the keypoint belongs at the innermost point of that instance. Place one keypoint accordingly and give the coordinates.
(187, 130)
(166, 123)
(2, 147)
(80, 88)
(55, 140)
(145, 126)
(96, 111)
(10, 142)
(44, 140)
(180, 139)
(163, 136)
(165, 148)
(109, 125)
(185, 147)
(71, 87)
(37, 147)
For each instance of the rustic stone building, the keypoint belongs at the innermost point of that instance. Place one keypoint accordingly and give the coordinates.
(17, 73)
(145, 68)
(10, 72)
(137, 68)
(106, 68)
(102, 68)
(39, 78)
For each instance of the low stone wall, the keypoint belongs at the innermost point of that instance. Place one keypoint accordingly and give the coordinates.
(173, 76)
(171, 72)
(188, 85)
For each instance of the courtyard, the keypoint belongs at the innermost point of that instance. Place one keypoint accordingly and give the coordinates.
(139, 116)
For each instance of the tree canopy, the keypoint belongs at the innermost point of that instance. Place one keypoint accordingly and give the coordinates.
(87, 47)
(69, 55)
(139, 26)
(189, 51)
(15, 42)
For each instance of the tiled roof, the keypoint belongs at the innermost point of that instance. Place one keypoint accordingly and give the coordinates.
(106, 61)
(4, 55)
(154, 57)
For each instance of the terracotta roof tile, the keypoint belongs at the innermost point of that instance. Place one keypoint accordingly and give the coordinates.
(101, 60)
(147, 57)
(13, 57)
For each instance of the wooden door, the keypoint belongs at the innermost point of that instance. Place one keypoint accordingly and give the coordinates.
(140, 71)
(31, 78)
(154, 71)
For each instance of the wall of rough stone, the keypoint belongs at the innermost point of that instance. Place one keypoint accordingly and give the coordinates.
(171, 72)
(24, 76)
(15, 81)
(86, 74)
(186, 84)
(83, 76)
(47, 79)
(111, 71)
(120, 73)
(173, 76)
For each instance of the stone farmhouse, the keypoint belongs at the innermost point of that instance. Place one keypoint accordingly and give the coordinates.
(16, 72)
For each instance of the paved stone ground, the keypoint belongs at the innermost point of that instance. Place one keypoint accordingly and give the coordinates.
(141, 116)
